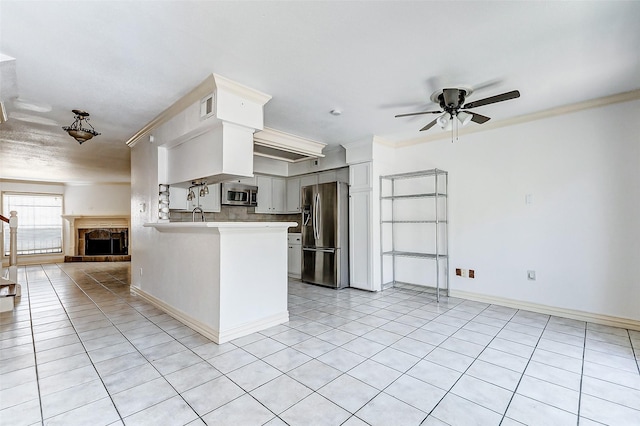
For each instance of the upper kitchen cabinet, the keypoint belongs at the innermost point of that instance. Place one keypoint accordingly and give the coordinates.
(178, 198)
(211, 201)
(335, 175)
(271, 194)
(208, 203)
(293, 195)
(245, 181)
(308, 180)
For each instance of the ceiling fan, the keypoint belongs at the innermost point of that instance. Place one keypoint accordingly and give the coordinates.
(451, 101)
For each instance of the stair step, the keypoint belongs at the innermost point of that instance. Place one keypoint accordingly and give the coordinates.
(5, 281)
(7, 290)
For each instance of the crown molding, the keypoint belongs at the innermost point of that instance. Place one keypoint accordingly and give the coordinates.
(286, 141)
(180, 105)
(213, 83)
(552, 112)
(223, 83)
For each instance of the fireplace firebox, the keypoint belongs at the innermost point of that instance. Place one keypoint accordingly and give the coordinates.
(105, 242)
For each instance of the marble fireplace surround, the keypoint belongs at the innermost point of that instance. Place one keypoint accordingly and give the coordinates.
(79, 225)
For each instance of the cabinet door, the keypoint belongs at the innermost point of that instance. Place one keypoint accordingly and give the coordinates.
(177, 198)
(325, 177)
(293, 195)
(360, 254)
(211, 202)
(264, 194)
(278, 195)
(307, 180)
(294, 260)
(342, 175)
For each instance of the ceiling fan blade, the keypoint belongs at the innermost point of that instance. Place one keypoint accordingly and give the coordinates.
(428, 126)
(477, 118)
(418, 113)
(493, 99)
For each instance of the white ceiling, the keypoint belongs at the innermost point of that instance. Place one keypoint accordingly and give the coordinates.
(125, 62)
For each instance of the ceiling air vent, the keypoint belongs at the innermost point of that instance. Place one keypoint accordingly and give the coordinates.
(206, 106)
(278, 145)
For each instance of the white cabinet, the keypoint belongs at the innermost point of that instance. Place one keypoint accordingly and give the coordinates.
(307, 180)
(342, 175)
(294, 255)
(361, 228)
(271, 194)
(328, 176)
(208, 203)
(293, 195)
(211, 201)
(177, 198)
(246, 181)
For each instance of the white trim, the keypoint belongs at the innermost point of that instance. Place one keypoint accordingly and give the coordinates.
(252, 327)
(217, 336)
(35, 259)
(550, 310)
(240, 90)
(180, 105)
(285, 141)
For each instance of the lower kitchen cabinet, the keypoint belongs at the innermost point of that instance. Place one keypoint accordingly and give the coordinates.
(294, 255)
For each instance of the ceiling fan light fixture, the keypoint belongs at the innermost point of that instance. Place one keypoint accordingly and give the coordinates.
(76, 131)
(444, 121)
(464, 117)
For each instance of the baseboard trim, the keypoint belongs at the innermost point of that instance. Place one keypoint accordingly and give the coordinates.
(550, 310)
(218, 336)
(252, 327)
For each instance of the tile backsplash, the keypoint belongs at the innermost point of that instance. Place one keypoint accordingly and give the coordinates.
(238, 214)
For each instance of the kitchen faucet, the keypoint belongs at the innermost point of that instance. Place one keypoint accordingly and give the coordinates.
(193, 214)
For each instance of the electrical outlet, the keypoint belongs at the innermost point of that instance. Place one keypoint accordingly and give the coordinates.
(464, 273)
(140, 271)
(459, 272)
(531, 275)
(472, 273)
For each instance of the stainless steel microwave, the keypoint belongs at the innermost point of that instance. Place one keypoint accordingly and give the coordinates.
(238, 194)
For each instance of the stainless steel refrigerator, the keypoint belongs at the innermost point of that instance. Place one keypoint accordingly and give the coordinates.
(325, 234)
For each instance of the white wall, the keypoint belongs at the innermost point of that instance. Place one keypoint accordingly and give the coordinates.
(581, 234)
(85, 199)
(97, 199)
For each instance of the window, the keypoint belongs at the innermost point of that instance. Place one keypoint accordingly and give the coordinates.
(39, 222)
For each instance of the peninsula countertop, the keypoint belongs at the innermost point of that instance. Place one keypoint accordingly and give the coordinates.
(214, 226)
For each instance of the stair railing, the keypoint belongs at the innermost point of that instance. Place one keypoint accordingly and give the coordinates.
(13, 247)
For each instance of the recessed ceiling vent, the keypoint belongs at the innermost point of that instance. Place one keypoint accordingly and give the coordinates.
(278, 145)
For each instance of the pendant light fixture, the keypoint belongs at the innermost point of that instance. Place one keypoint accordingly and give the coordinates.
(76, 130)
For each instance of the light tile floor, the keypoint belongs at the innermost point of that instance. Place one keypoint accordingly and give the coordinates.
(80, 349)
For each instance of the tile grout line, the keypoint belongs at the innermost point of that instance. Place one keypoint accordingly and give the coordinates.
(150, 363)
(78, 334)
(584, 351)
(467, 369)
(33, 343)
(129, 341)
(525, 367)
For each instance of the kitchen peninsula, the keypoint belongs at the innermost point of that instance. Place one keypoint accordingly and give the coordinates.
(223, 279)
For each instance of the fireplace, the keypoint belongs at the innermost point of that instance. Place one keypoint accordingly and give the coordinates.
(105, 242)
(97, 239)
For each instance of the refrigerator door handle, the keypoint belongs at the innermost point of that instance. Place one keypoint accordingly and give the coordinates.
(316, 234)
(326, 250)
(319, 219)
